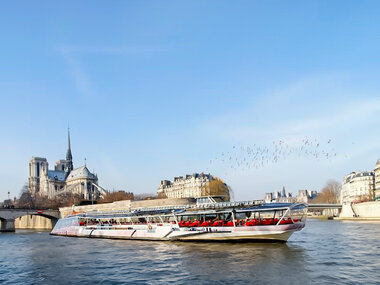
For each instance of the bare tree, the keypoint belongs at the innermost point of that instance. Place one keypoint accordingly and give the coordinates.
(162, 195)
(330, 193)
(145, 196)
(24, 188)
(26, 201)
(116, 196)
(66, 200)
(366, 198)
(216, 187)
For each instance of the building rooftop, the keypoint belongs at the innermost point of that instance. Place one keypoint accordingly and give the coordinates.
(357, 174)
(38, 158)
(57, 175)
(80, 172)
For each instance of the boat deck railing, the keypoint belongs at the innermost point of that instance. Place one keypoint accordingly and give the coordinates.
(203, 206)
(218, 205)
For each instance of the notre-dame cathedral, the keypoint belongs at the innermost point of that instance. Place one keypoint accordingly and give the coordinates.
(63, 179)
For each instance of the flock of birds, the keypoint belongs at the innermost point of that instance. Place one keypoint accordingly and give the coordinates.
(257, 156)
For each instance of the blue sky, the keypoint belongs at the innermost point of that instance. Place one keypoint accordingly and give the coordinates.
(157, 89)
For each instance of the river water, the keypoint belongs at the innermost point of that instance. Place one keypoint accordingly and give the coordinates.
(325, 252)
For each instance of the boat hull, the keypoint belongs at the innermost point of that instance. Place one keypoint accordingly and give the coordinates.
(172, 233)
(238, 236)
(267, 222)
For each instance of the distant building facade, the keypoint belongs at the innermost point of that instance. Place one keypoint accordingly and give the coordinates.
(377, 180)
(360, 186)
(357, 185)
(304, 196)
(193, 186)
(286, 197)
(63, 179)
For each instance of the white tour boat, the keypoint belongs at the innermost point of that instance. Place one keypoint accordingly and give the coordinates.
(264, 222)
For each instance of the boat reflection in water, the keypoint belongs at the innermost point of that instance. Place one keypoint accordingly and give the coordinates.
(219, 222)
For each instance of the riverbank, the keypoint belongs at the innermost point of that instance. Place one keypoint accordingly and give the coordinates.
(374, 219)
(319, 217)
(365, 210)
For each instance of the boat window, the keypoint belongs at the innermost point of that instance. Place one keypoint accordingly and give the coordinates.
(155, 219)
(59, 225)
(142, 220)
(240, 216)
(210, 217)
(268, 214)
(218, 199)
(168, 219)
(187, 218)
(298, 214)
(226, 216)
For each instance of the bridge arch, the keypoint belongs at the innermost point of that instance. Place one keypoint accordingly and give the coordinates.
(28, 219)
(51, 217)
(7, 225)
(35, 221)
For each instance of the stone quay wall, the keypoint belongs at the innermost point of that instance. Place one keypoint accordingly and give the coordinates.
(362, 210)
(367, 209)
(126, 205)
(161, 202)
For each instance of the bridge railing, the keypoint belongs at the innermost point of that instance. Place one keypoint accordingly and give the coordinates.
(325, 206)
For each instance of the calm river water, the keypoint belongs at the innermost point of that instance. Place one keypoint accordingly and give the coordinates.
(325, 252)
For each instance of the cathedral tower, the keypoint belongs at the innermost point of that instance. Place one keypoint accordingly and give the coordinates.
(69, 156)
(38, 166)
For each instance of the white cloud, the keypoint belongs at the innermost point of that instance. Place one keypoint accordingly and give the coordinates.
(81, 78)
(114, 50)
(276, 116)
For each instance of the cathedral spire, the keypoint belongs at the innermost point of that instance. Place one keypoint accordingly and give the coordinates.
(69, 156)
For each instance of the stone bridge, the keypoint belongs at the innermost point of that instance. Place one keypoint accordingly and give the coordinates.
(325, 206)
(330, 210)
(8, 217)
